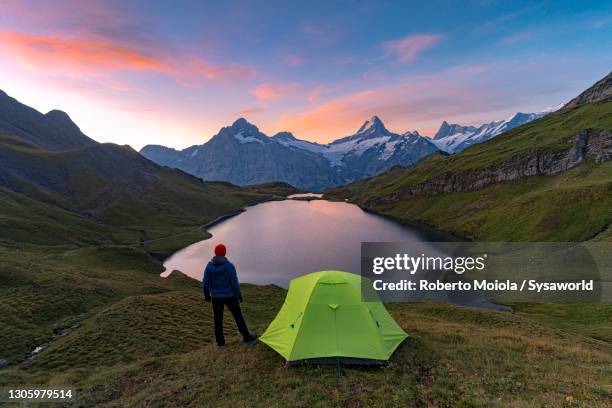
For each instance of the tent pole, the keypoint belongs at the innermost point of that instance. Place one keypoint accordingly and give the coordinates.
(338, 366)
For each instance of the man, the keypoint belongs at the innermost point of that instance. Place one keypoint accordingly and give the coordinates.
(221, 286)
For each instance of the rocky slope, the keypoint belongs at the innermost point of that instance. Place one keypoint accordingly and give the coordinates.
(588, 145)
(600, 91)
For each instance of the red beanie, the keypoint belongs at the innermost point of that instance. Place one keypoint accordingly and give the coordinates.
(220, 250)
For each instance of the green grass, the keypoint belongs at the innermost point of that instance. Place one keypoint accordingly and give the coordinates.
(592, 320)
(107, 194)
(146, 341)
(46, 290)
(73, 275)
(571, 206)
(51, 276)
(172, 243)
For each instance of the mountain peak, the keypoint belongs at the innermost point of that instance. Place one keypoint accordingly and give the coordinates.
(59, 115)
(445, 130)
(284, 136)
(62, 119)
(517, 115)
(411, 134)
(372, 125)
(240, 123)
(375, 119)
(53, 131)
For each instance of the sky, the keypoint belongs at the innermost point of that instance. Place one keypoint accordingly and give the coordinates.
(174, 73)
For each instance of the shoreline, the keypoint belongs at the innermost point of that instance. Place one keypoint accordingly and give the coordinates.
(163, 256)
(414, 224)
(417, 225)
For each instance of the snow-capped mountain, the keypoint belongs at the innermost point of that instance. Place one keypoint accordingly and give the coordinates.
(453, 138)
(243, 155)
(373, 149)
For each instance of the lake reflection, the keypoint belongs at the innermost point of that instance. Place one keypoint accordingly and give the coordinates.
(277, 241)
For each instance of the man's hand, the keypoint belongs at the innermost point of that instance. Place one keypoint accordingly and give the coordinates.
(207, 298)
(240, 298)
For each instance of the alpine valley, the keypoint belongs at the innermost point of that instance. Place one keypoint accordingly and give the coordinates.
(548, 180)
(243, 155)
(83, 225)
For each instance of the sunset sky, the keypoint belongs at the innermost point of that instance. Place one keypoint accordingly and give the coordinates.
(173, 73)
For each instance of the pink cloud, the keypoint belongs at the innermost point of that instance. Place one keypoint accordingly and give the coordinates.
(406, 49)
(192, 71)
(248, 111)
(49, 54)
(274, 92)
(45, 52)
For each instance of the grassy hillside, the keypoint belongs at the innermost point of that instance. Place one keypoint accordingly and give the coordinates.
(107, 191)
(53, 131)
(571, 206)
(74, 221)
(57, 267)
(145, 341)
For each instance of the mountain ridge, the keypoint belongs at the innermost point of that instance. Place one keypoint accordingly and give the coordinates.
(369, 151)
(306, 165)
(53, 131)
(453, 138)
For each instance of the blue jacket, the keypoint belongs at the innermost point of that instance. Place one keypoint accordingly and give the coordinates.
(220, 279)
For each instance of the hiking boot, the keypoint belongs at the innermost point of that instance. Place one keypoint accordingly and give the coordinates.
(252, 340)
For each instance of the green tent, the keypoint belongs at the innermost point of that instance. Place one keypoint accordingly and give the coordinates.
(324, 320)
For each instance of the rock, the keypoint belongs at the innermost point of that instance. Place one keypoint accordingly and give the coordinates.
(589, 144)
(600, 91)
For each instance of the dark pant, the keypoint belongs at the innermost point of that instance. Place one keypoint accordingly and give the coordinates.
(234, 306)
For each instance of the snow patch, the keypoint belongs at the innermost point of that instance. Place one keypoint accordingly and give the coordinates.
(456, 142)
(389, 150)
(301, 144)
(243, 139)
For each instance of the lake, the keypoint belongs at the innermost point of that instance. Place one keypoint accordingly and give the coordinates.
(277, 241)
